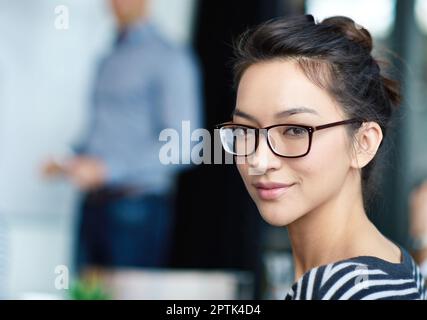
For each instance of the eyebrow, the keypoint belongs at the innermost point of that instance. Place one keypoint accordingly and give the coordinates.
(281, 114)
(296, 110)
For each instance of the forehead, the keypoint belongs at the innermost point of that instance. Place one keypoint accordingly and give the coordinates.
(268, 88)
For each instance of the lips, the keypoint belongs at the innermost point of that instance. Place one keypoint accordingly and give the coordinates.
(271, 190)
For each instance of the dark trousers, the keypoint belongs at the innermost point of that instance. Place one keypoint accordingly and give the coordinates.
(117, 230)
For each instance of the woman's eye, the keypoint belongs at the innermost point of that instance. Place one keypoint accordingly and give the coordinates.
(294, 131)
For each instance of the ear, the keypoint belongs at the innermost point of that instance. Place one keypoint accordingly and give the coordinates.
(367, 141)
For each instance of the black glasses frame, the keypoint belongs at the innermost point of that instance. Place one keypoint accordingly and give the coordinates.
(309, 129)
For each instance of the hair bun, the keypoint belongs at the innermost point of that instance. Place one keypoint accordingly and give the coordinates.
(351, 30)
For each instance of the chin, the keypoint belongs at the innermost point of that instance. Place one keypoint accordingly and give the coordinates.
(275, 214)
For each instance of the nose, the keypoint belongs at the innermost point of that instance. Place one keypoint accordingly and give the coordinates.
(263, 160)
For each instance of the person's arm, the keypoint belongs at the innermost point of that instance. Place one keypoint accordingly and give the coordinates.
(180, 98)
(84, 170)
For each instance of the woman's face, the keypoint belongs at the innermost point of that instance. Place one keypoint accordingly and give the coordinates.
(285, 189)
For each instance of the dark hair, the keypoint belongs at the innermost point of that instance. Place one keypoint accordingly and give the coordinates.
(335, 54)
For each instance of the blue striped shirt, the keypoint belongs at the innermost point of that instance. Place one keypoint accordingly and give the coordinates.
(361, 278)
(146, 84)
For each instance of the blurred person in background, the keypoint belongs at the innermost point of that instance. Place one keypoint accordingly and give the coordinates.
(418, 225)
(146, 84)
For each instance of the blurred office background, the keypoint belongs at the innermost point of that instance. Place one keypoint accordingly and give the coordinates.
(222, 248)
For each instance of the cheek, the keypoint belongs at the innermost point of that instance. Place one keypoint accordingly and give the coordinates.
(324, 169)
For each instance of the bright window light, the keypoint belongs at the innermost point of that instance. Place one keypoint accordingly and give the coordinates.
(376, 16)
(421, 14)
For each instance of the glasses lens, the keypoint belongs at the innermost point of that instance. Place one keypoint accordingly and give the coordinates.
(289, 141)
(238, 140)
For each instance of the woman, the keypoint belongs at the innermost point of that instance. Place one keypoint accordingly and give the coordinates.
(311, 113)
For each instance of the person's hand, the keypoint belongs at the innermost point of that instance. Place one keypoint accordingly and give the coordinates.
(53, 168)
(87, 173)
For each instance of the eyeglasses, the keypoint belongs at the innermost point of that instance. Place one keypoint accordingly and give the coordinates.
(284, 140)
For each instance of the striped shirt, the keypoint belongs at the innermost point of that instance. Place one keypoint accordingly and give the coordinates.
(361, 278)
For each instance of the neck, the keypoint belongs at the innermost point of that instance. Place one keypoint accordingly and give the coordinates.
(127, 21)
(124, 24)
(331, 232)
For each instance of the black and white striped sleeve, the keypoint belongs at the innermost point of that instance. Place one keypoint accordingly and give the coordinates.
(355, 280)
